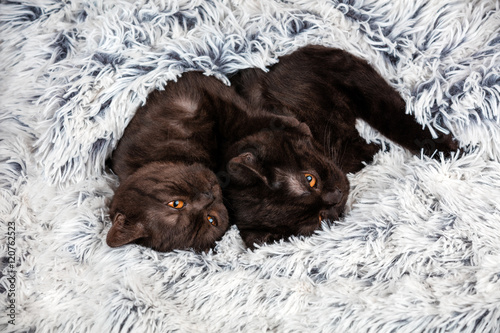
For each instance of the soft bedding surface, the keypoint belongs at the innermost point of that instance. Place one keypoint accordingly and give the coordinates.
(418, 250)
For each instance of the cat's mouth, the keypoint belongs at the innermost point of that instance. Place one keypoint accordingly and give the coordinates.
(332, 214)
(331, 218)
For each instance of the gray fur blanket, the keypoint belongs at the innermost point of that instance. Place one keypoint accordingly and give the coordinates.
(418, 250)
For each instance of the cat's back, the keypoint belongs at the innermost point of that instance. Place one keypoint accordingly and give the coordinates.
(175, 124)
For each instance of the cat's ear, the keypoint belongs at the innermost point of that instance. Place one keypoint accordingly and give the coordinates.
(245, 168)
(122, 233)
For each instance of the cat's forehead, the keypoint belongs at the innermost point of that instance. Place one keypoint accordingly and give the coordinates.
(171, 169)
(288, 151)
(190, 182)
(179, 177)
(293, 181)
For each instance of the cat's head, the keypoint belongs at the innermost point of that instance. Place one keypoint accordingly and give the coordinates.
(168, 206)
(282, 184)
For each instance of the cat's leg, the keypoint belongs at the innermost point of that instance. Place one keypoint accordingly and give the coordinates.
(354, 154)
(363, 91)
(387, 114)
(325, 85)
(375, 101)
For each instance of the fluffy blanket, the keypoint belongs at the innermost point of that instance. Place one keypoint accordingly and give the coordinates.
(418, 250)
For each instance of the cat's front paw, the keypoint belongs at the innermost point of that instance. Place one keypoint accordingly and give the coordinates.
(445, 143)
(290, 122)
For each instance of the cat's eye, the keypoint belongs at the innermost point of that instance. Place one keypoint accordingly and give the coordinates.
(212, 220)
(311, 180)
(177, 204)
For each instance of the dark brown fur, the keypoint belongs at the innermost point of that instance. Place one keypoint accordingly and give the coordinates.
(186, 125)
(189, 122)
(301, 122)
(268, 193)
(141, 213)
(175, 126)
(328, 89)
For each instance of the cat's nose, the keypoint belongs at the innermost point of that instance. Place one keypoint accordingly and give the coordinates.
(332, 198)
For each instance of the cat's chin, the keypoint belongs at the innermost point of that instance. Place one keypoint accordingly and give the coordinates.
(198, 248)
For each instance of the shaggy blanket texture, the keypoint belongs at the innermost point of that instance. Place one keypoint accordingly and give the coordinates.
(418, 250)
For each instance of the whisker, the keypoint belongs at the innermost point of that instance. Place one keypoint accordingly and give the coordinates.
(340, 157)
(326, 141)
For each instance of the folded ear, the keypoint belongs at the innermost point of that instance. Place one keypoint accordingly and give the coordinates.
(122, 233)
(245, 169)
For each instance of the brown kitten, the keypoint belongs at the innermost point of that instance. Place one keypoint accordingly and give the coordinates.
(281, 185)
(328, 89)
(168, 206)
(175, 126)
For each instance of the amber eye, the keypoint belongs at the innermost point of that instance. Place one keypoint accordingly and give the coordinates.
(177, 204)
(311, 180)
(212, 220)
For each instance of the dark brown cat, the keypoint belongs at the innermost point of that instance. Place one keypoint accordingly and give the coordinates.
(282, 184)
(168, 206)
(185, 125)
(175, 204)
(328, 89)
